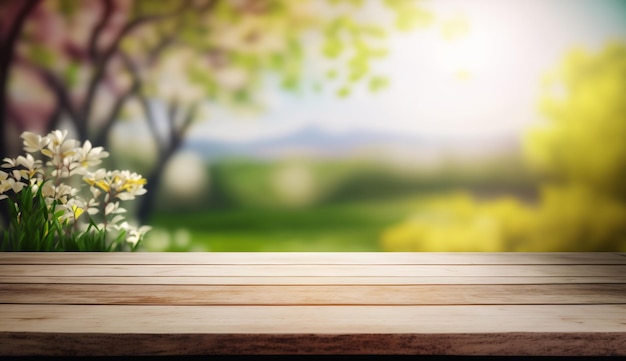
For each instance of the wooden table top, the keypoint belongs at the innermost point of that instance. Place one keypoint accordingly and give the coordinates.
(98, 304)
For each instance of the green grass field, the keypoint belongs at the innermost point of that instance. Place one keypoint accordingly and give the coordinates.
(351, 203)
(345, 227)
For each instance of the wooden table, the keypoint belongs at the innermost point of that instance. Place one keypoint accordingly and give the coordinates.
(96, 304)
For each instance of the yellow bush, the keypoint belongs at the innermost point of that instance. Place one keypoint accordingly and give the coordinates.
(457, 223)
(582, 150)
(575, 218)
(567, 219)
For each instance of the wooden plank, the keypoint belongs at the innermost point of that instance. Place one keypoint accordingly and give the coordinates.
(513, 344)
(390, 258)
(90, 304)
(312, 280)
(313, 295)
(131, 319)
(313, 270)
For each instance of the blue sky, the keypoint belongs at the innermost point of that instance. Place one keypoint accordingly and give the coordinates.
(509, 46)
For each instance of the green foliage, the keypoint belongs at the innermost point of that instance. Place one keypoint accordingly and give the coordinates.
(343, 92)
(42, 55)
(583, 142)
(331, 205)
(355, 45)
(338, 227)
(332, 48)
(582, 155)
(71, 75)
(455, 223)
(184, 54)
(240, 183)
(36, 227)
(29, 228)
(564, 220)
(378, 82)
(68, 7)
(408, 16)
(49, 209)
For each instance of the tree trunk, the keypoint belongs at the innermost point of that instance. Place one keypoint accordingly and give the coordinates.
(7, 48)
(147, 201)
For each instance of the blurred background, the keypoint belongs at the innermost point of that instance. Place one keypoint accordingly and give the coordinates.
(277, 125)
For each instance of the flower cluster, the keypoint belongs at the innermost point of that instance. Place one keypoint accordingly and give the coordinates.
(75, 202)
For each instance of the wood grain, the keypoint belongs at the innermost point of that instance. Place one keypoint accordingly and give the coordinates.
(328, 319)
(273, 258)
(318, 295)
(311, 280)
(513, 344)
(116, 304)
(306, 270)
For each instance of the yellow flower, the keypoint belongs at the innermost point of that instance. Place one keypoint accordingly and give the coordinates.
(77, 211)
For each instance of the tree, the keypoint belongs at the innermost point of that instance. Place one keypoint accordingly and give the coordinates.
(87, 64)
(580, 150)
(582, 142)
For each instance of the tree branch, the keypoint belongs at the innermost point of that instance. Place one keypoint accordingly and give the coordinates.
(184, 128)
(97, 30)
(55, 118)
(138, 83)
(171, 120)
(112, 50)
(7, 49)
(60, 93)
(161, 46)
(55, 85)
(101, 138)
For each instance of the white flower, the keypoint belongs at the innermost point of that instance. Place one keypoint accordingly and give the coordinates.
(10, 183)
(129, 185)
(133, 235)
(64, 193)
(34, 142)
(57, 137)
(76, 206)
(73, 209)
(88, 156)
(35, 183)
(66, 158)
(95, 192)
(32, 166)
(113, 208)
(3, 184)
(98, 180)
(61, 152)
(48, 189)
(9, 163)
(121, 184)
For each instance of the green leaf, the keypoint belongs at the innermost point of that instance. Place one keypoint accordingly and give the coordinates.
(343, 92)
(332, 48)
(358, 67)
(378, 83)
(277, 60)
(68, 7)
(410, 18)
(373, 31)
(71, 74)
(290, 82)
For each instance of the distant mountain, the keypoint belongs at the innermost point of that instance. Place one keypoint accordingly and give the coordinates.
(315, 141)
